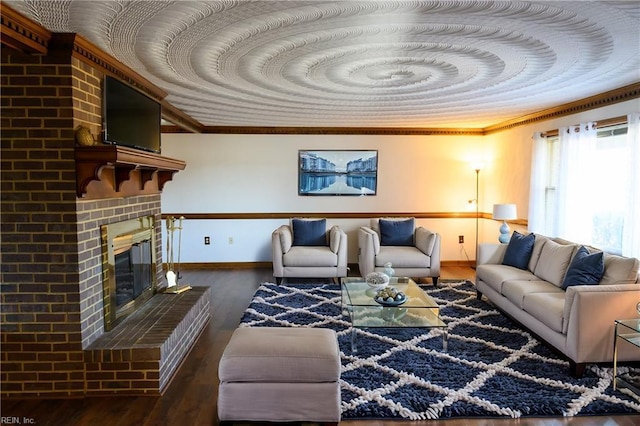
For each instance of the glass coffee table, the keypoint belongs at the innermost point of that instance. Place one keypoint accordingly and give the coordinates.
(626, 330)
(419, 311)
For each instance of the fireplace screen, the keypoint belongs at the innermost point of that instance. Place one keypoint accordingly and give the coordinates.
(133, 272)
(129, 267)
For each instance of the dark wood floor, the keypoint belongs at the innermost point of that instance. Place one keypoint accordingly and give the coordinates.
(191, 398)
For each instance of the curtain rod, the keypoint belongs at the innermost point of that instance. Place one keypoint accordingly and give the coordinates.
(599, 124)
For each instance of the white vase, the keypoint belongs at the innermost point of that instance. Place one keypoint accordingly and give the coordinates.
(388, 270)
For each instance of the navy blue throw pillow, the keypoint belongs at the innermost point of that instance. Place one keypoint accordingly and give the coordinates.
(585, 269)
(519, 250)
(309, 232)
(396, 232)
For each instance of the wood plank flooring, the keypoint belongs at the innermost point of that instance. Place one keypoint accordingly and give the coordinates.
(190, 399)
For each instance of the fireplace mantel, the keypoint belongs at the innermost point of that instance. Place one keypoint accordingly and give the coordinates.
(114, 165)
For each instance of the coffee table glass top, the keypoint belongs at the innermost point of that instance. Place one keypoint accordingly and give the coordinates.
(420, 310)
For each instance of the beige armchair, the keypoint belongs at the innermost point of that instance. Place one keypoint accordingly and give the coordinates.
(305, 249)
(413, 251)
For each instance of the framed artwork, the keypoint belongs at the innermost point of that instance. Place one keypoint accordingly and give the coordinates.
(337, 172)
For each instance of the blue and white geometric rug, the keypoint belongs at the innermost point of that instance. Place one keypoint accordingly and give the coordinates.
(492, 368)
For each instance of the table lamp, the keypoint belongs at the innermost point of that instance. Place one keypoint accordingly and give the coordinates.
(504, 212)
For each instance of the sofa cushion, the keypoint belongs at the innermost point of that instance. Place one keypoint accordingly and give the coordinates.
(309, 232)
(546, 308)
(537, 249)
(554, 261)
(585, 269)
(516, 290)
(396, 232)
(310, 256)
(403, 257)
(619, 270)
(494, 275)
(519, 250)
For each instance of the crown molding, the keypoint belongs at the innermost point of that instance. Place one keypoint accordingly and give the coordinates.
(405, 131)
(183, 123)
(611, 97)
(21, 33)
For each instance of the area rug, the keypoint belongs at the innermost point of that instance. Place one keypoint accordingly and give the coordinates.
(492, 367)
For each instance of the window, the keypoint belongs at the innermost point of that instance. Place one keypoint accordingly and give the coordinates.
(588, 188)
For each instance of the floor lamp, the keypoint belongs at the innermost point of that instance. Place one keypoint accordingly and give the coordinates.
(477, 212)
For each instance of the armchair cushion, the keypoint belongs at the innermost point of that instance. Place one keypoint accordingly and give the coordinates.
(309, 232)
(425, 240)
(402, 257)
(286, 239)
(334, 238)
(310, 257)
(396, 232)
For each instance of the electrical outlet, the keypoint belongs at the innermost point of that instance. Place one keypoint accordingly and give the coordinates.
(230, 240)
(207, 241)
(461, 239)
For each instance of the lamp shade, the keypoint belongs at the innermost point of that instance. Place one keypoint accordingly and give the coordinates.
(504, 211)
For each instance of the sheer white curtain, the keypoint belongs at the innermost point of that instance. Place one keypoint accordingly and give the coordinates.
(585, 187)
(631, 234)
(575, 197)
(538, 186)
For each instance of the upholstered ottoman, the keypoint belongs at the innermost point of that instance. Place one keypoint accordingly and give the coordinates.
(280, 374)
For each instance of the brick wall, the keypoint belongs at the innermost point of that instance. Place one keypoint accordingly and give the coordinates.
(51, 290)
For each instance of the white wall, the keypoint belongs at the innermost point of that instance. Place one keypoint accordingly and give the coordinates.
(258, 174)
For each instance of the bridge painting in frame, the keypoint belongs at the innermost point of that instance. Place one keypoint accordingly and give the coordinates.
(337, 172)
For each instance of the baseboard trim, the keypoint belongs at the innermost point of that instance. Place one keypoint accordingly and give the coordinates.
(460, 263)
(259, 265)
(224, 265)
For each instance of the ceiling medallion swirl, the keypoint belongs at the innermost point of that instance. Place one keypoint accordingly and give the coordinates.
(361, 63)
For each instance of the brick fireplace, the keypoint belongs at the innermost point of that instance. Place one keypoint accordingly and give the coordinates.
(54, 342)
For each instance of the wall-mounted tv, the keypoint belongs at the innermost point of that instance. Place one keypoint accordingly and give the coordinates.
(130, 118)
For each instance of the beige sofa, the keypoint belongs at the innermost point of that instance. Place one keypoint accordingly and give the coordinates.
(578, 321)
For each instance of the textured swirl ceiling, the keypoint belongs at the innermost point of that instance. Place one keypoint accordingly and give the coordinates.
(362, 63)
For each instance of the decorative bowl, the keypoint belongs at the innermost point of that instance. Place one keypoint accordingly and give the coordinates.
(390, 296)
(377, 280)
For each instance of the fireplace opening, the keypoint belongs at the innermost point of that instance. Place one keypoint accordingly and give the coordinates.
(129, 268)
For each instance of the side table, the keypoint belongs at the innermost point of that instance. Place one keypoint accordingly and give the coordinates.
(627, 330)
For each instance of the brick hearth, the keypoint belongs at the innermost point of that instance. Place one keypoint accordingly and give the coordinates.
(140, 355)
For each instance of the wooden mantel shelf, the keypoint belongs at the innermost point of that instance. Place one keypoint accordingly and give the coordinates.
(91, 162)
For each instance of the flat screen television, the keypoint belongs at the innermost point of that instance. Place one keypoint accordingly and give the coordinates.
(130, 118)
